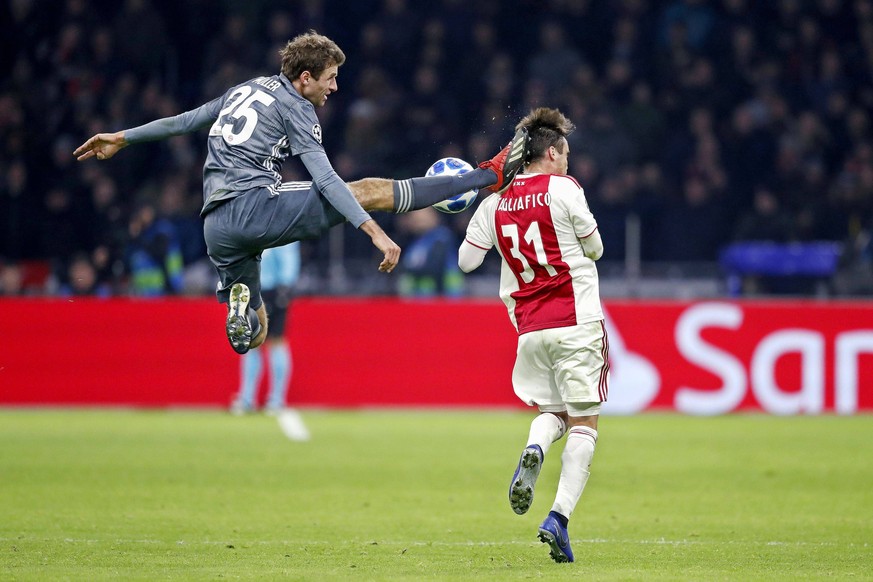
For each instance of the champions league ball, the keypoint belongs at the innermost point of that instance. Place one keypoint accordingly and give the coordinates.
(453, 167)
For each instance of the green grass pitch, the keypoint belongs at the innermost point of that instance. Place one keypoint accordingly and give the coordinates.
(412, 495)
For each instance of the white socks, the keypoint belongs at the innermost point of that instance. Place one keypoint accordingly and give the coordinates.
(575, 462)
(544, 430)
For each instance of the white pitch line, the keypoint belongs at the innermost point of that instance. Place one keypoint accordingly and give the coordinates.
(242, 542)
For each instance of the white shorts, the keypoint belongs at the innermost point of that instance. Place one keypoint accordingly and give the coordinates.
(563, 366)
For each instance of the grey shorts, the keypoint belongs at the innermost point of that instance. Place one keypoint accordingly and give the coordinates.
(239, 230)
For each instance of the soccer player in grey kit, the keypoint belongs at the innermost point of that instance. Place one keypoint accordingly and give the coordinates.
(247, 208)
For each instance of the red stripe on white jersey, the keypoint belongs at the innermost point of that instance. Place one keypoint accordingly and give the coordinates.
(603, 385)
(466, 240)
(529, 244)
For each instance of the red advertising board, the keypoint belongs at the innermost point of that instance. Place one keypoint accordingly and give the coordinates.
(713, 357)
(786, 357)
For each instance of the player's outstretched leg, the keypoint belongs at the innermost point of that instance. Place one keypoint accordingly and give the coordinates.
(553, 531)
(401, 196)
(521, 489)
(239, 326)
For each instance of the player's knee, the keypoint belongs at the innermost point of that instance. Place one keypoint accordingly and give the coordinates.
(584, 414)
(373, 193)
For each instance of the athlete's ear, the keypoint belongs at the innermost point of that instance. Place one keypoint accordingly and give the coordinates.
(305, 76)
(553, 152)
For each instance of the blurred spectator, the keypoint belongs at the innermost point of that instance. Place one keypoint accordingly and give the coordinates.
(142, 40)
(16, 211)
(81, 279)
(750, 151)
(235, 45)
(554, 57)
(650, 206)
(371, 121)
(179, 208)
(695, 16)
(430, 116)
(154, 257)
(644, 122)
(469, 71)
(400, 26)
(11, 279)
(612, 207)
(766, 221)
(604, 140)
(429, 264)
(695, 227)
(109, 232)
(60, 234)
(724, 96)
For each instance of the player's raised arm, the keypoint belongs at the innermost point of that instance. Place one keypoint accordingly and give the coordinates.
(102, 146)
(105, 145)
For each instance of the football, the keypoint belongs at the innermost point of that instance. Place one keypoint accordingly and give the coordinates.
(453, 167)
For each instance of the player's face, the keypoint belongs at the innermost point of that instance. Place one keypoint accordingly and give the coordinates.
(562, 157)
(316, 90)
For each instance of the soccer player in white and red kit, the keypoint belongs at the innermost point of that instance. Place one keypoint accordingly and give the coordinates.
(548, 241)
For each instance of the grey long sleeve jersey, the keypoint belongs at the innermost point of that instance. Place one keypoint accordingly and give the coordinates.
(255, 126)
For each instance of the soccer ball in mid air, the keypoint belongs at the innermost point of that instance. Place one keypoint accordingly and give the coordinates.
(453, 167)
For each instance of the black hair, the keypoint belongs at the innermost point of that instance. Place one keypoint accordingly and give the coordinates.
(547, 127)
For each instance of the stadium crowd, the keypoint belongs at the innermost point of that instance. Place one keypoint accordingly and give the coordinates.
(713, 121)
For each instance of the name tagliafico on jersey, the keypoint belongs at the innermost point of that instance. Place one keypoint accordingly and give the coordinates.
(512, 204)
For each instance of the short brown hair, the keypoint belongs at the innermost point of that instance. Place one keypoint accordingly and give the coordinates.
(311, 52)
(547, 127)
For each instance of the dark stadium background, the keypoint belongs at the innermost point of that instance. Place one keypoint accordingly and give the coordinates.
(700, 124)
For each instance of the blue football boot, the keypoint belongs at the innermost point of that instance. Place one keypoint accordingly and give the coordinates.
(521, 490)
(553, 533)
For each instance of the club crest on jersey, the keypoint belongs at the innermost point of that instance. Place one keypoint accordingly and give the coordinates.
(316, 132)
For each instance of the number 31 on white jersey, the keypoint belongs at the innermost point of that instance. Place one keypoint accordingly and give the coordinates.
(533, 238)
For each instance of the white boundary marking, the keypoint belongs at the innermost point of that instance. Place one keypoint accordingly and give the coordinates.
(243, 542)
